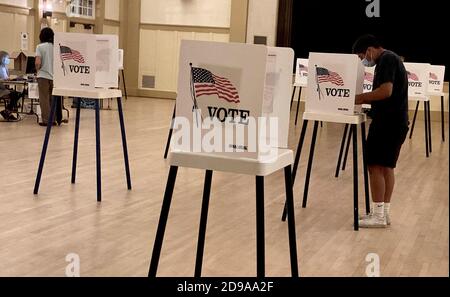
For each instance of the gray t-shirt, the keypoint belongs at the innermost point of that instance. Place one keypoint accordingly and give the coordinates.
(45, 51)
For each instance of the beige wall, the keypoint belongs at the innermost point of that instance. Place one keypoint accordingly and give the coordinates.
(112, 10)
(159, 53)
(12, 25)
(111, 29)
(262, 20)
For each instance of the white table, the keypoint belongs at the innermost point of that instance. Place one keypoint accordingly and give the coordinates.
(96, 94)
(427, 113)
(228, 163)
(354, 121)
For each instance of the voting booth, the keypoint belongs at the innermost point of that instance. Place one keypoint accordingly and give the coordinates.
(301, 72)
(237, 87)
(300, 82)
(418, 79)
(333, 82)
(224, 88)
(86, 66)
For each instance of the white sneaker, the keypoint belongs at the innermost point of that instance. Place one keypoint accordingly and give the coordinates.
(387, 216)
(373, 221)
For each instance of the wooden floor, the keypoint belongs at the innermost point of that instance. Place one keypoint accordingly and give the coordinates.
(115, 238)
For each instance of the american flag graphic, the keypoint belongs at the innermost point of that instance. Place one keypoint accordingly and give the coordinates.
(302, 67)
(412, 76)
(368, 76)
(207, 83)
(69, 54)
(433, 76)
(325, 75)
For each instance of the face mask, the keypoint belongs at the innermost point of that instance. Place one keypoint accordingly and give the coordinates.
(368, 63)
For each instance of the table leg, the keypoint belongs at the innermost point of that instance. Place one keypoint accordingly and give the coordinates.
(44, 147)
(366, 174)
(414, 120)
(341, 151)
(355, 178)
(124, 143)
(162, 221)
(442, 119)
(291, 221)
(98, 150)
(298, 104)
(203, 223)
(75, 142)
(310, 163)
(260, 232)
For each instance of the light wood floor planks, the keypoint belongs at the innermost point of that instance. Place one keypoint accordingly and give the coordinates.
(115, 238)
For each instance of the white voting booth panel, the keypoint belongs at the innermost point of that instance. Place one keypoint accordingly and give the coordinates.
(436, 80)
(418, 76)
(107, 65)
(334, 80)
(301, 72)
(121, 59)
(85, 61)
(369, 74)
(240, 81)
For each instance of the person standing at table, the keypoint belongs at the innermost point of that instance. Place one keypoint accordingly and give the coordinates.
(44, 67)
(389, 127)
(12, 95)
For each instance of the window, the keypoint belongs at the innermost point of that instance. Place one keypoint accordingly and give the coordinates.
(82, 8)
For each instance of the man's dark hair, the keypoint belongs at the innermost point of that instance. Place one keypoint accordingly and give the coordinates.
(364, 42)
(47, 35)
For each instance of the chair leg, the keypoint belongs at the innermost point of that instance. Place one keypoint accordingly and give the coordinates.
(347, 148)
(291, 221)
(260, 232)
(296, 162)
(366, 175)
(203, 223)
(98, 151)
(44, 147)
(75, 142)
(124, 143)
(355, 178)
(162, 221)
(414, 120)
(310, 163)
(442, 119)
(298, 104)
(169, 137)
(341, 151)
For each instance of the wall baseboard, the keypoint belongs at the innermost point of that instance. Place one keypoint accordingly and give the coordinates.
(152, 94)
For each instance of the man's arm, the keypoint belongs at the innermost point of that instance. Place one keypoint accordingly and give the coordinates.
(381, 93)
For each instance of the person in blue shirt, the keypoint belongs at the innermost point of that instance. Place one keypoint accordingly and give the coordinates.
(12, 95)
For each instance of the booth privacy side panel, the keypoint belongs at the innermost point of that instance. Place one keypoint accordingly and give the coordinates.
(278, 84)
